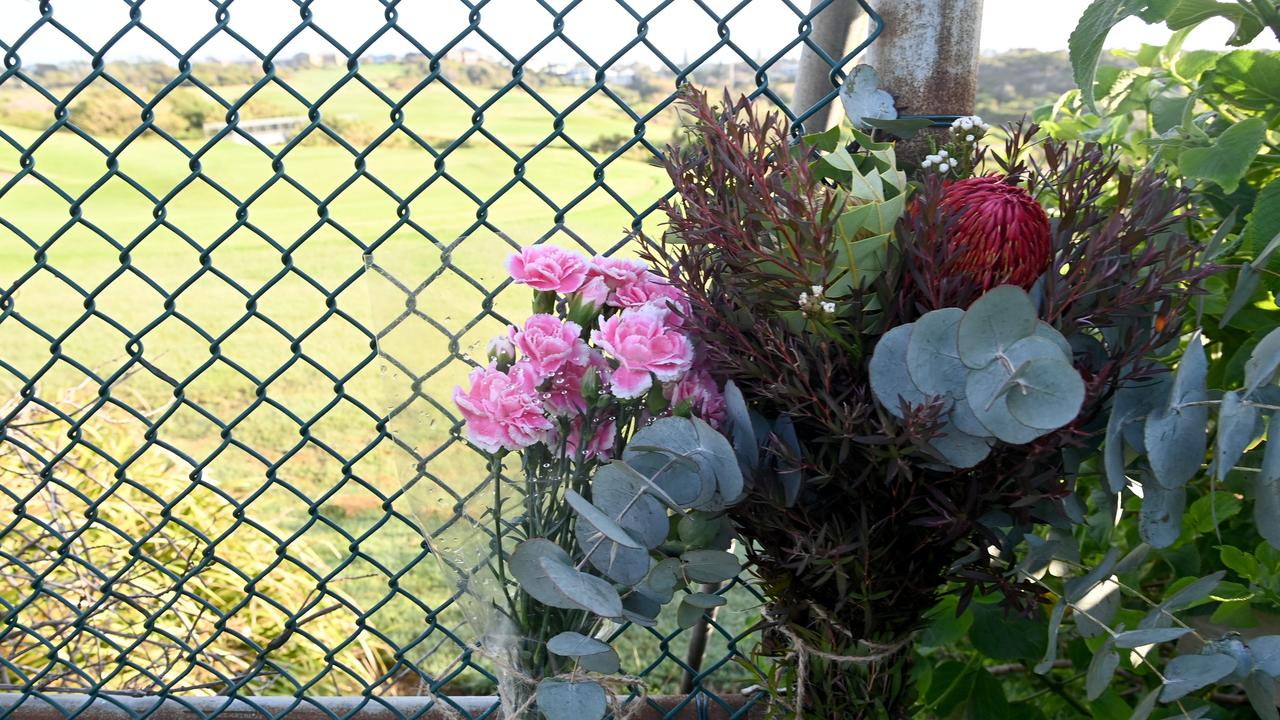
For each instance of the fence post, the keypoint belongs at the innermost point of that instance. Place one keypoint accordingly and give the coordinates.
(927, 56)
(834, 30)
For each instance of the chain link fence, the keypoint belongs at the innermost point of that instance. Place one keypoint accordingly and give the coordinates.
(234, 297)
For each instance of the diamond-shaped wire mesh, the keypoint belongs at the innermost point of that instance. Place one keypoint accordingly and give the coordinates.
(234, 297)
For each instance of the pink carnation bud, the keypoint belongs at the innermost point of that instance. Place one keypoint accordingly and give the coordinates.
(601, 445)
(502, 350)
(503, 410)
(645, 346)
(565, 394)
(548, 268)
(586, 303)
(704, 396)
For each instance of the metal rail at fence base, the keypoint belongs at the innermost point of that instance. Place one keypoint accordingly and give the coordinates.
(60, 706)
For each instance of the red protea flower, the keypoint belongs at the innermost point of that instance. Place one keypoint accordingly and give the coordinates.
(1000, 234)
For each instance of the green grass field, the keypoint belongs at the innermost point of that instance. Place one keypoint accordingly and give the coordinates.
(251, 332)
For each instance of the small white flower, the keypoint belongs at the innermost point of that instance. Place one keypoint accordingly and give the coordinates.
(966, 123)
(944, 167)
(969, 138)
(942, 153)
(977, 120)
(817, 289)
(927, 163)
(804, 299)
(829, 308)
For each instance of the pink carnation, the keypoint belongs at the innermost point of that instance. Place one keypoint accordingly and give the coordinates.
(704, 396)
(548, 268)
(652, 289)
(564, 394)
(601, 445)
(645, 347)
(618, 272)
(549, 343)
(503, 410)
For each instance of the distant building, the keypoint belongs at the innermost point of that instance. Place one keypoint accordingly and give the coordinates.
(467, 56)
(268, 131)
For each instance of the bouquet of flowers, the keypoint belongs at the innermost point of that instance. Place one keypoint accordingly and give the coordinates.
(922, 366)
(604, 401)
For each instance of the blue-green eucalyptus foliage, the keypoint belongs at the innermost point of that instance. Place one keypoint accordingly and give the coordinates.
(1162, 585)
(654, 526)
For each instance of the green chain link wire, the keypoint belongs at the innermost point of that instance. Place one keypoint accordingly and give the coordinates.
(238, 687)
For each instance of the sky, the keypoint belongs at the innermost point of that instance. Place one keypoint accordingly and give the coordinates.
(598, 27)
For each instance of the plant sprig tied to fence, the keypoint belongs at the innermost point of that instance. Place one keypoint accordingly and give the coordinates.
(605, 397)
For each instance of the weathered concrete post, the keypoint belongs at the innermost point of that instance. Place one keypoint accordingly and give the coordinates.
(837, 29)
(927, 56)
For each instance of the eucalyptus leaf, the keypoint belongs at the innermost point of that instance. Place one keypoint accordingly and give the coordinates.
(1266, 654)
(1269, 473)
(691, 446)
(1187, 673)
(1160, 519)
(890, 380)
(1113, 459)
(1194, 592)
(740, 429)
(640, 609)
(1051, 650)
(985, 393)
(572, 700)
(1137, 399)
(1153, 636)
(545, 571)
(862, 97)
(623, 495)
(705, 601)
(993, 323)
(1144, 709)
(959, 449)
(605, 663)
(1050, 333)
(662, 580)
(1266, 509)
(1238, 424)
(604, 524)
(1101, 670)
(933, 357)
(1263, 363)
(694, 606)
(1048, 395)
(573, 644)
(1176, 435)
(1248, 282)
(710, 566)
(1261, 689)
